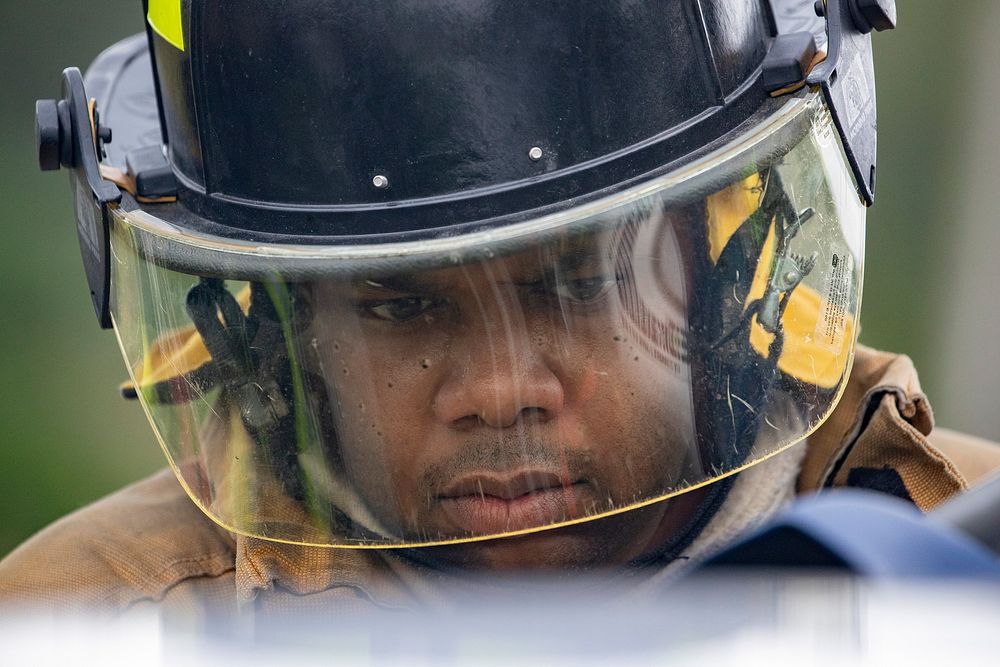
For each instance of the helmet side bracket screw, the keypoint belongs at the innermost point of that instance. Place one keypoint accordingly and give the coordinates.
(102, 133)
(380, 181)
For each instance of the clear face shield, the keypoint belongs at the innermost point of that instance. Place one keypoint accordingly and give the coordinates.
(567, 374)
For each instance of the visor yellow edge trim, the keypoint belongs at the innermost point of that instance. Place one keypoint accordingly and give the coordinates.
(164, 17)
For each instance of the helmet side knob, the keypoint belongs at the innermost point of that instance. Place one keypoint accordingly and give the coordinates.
(52, 127)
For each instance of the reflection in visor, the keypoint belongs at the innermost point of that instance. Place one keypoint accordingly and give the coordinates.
(618, 362)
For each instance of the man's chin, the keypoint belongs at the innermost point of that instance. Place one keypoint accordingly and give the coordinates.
(597, 544)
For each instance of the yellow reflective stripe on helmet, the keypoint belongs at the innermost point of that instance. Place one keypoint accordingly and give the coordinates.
(164, 18)
(728, 209)
(804, 355)
(763, 271)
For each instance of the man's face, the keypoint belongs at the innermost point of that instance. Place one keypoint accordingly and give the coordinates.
(510, 394)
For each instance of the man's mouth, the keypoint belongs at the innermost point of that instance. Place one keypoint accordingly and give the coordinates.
(491, 503)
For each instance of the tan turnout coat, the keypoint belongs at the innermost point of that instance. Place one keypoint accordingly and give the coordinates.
(148, 544)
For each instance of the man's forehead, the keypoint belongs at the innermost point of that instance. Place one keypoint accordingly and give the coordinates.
(527, 265)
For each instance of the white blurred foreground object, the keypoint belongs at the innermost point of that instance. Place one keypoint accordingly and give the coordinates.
(722, 620)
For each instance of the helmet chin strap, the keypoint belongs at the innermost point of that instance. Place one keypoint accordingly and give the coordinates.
(229, 337)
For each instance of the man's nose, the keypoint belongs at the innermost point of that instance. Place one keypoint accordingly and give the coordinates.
(499, 381)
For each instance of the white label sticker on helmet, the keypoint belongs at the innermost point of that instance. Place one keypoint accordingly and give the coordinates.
(822, 128)
(834, 311)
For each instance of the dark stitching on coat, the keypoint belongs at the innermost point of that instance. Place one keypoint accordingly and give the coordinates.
(884, 480)
(157, 596)
(874, 401)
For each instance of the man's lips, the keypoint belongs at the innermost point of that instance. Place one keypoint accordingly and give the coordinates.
(488, 503)
(504, 487)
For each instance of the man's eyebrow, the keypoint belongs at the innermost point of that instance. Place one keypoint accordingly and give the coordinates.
(576, 256)
(402, 283)
(560, 259)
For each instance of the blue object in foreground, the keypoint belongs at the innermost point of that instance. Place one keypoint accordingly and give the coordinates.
(865, 533)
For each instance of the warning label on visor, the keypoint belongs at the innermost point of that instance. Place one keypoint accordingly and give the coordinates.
(832, 322)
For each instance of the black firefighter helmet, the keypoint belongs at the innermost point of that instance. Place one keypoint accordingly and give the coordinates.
(422, 273)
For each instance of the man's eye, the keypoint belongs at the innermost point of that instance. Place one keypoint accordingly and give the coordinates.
(398, 310)
(584, 289)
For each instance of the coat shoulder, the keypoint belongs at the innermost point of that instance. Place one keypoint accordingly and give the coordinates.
(882, 436)
(133, 545)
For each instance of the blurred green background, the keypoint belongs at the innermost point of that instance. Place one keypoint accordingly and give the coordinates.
(67, 438)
